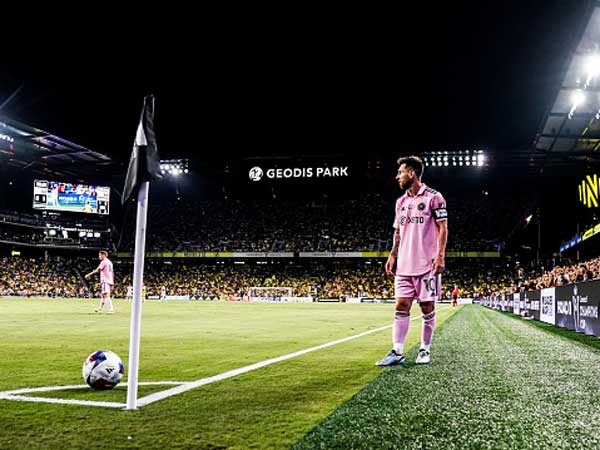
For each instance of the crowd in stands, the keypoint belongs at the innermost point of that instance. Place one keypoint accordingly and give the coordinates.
(45, 218)
(478, 223)
(560, 275)
(21, 235)
(221, 279)
(35, 277)
(53, 230)
(326, 279)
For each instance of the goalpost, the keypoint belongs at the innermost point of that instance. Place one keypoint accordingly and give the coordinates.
(269, 293)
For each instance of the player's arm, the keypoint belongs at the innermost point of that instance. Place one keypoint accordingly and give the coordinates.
(439, 264)
(93, 272)
(389, 265)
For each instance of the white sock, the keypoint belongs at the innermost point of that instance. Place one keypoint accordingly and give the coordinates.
(398, 348)
(110, 305)
(101, 305)
(425, 346)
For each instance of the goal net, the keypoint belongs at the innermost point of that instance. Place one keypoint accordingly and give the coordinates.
(270, 292)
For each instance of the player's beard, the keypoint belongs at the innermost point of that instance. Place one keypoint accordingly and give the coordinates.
(406, 186)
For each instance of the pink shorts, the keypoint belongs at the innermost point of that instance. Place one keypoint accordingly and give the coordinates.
(106, 288)
(424, 288)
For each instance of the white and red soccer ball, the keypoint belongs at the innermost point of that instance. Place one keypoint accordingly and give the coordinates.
(103, 369)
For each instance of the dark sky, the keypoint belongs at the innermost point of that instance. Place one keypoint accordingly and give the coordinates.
(469, 75)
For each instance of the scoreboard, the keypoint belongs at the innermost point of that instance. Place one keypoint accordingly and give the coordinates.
(59, 196)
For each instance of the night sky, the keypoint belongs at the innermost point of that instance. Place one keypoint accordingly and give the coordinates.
(469, 75)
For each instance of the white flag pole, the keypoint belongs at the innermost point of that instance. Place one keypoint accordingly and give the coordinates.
(136, 304)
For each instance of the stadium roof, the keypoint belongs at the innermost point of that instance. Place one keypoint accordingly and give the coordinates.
(29, 148)
(570, 130)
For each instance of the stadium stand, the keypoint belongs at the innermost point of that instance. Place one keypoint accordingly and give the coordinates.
(219, 280)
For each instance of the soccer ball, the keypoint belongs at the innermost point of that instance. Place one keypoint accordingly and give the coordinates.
(103, 369)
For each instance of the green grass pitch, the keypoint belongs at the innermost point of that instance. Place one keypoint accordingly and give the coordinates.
(495, 381)
(44, 343)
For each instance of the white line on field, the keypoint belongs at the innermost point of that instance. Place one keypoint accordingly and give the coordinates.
(63, 401)
(15, 394)
(81, 386)
(232, 373)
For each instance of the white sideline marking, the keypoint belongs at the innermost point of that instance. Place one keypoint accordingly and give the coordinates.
(182, 386)
(232, 373)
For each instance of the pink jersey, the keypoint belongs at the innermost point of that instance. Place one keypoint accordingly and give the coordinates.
(416, 218)
(106, 271)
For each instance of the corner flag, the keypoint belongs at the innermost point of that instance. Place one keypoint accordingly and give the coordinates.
(144, 166)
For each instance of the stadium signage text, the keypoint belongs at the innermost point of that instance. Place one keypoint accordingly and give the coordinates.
(589, 191)
(256, 173)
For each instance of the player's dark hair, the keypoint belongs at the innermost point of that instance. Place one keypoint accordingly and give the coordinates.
(412, 162)
(103, 252)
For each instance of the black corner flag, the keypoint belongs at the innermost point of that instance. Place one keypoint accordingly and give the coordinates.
(144, 164)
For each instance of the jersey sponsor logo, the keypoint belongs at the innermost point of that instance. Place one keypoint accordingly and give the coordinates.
(407, 220)
(421, 206)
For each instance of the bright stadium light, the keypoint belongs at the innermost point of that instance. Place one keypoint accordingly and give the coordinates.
(446, 163)
(592, 68)
(174, 166)
(577, 98)
(468, 163)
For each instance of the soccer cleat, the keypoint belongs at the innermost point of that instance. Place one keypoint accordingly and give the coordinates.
(391, 359)
(98, 310)
(423, 357)
(110, 312)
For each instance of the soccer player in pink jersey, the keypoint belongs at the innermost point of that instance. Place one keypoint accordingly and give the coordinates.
(107, 280)
(418, 252)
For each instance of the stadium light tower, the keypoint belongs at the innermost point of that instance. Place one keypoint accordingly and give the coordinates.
(174, 167)
(472, 158)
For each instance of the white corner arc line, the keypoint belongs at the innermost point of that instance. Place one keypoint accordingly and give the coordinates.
(232, 373)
